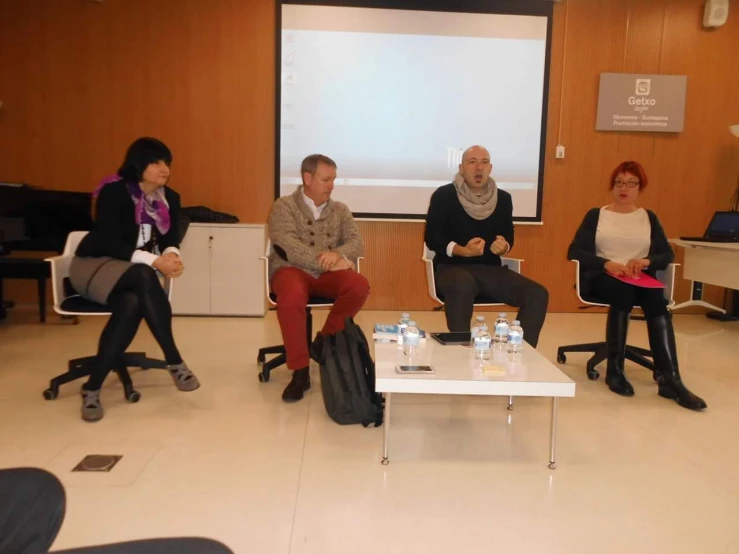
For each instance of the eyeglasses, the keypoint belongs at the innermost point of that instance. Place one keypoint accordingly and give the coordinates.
(630, 183)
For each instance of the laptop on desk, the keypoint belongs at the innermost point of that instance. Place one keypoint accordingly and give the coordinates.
(724, 227)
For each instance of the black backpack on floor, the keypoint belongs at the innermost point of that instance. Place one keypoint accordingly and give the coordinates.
(348, 378)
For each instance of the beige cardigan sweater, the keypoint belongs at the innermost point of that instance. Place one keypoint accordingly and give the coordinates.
(297, 238)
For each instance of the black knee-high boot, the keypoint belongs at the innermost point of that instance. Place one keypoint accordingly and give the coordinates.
(616, 329)
(664, 353)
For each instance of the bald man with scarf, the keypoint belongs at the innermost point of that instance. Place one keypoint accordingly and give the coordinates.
(469, 226)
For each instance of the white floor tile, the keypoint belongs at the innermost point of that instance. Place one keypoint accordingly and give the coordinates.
(231, 461)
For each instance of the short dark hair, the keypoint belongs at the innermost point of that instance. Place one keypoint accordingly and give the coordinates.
(310, 163)
(635, 169)
(141, 153)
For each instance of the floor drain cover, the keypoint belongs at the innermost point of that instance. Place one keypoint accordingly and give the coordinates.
(97, 462)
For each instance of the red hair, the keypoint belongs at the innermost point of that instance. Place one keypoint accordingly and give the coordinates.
(635, 169)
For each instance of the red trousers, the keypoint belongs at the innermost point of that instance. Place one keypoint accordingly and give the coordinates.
(293, 287)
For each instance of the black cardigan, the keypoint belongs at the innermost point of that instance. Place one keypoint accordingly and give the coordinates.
(447, 221)
(115, 232)
(591, 265)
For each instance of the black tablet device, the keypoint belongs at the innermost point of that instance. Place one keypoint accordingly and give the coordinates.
(418, 369)
(452, 338)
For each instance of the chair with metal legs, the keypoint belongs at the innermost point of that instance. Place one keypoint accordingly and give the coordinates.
(599, 349)
(265, 365)
(68, 303)
(481, 301)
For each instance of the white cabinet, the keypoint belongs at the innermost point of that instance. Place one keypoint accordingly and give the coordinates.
(223, 273)
(191, 291)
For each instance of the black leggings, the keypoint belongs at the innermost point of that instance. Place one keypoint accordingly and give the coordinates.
(623, 296)
(137, 295)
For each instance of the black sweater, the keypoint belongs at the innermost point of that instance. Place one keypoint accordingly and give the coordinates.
(115, 232)
(591, 265)
(447, 221)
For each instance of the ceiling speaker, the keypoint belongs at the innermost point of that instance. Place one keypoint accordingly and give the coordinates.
(715, 13)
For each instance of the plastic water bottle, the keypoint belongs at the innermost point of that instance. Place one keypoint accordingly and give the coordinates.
(479, 322)
(515, 338)
(482, 344)
(411, 339)
(500, 334)
(402, 326)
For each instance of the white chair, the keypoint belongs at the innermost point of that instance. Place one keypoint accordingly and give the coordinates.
(599, 349)
(68, 303)
(513, 264)
(266, 366)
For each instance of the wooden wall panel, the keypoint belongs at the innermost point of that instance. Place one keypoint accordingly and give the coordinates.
(393, 265)
(80, 80)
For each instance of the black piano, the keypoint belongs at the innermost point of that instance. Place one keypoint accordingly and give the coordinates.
(38, 220)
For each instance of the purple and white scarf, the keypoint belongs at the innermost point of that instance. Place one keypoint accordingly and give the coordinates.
(150, 208)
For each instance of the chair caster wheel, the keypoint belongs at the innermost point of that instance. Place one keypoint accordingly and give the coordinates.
(552, 465)
(385, 461)
(261, 358)
(133, 396)
(593, 374)
(561, 358)
(263, 378)
(50, 394)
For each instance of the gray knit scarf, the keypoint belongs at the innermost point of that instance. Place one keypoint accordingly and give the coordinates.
(478, 207)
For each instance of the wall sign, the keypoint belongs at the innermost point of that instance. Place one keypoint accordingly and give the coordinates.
(632, 102)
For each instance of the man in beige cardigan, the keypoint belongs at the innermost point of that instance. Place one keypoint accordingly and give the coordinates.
(315, 246)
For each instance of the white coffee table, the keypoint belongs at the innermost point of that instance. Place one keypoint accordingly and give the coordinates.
(457, 372)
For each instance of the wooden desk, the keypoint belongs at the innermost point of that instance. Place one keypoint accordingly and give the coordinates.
(712, 263)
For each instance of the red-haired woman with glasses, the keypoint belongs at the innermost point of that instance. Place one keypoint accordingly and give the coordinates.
(624, 240)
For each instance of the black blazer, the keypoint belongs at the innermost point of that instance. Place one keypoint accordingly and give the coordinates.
(446, 221)
(115, 232)
(591, 265)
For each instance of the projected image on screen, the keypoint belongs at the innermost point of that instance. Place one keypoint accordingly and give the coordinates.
(394, 97)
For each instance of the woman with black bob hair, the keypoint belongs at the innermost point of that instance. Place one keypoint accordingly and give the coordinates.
(134, 236)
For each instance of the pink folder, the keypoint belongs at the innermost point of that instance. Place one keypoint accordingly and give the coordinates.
(646, 281)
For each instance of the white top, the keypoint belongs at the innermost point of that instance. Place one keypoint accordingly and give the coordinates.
(315, 210)
(623, 237)
(458, 372)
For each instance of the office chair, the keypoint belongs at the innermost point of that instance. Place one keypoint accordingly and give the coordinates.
(481, 301)
(266, 366)
(600, 349)
(68, 303)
